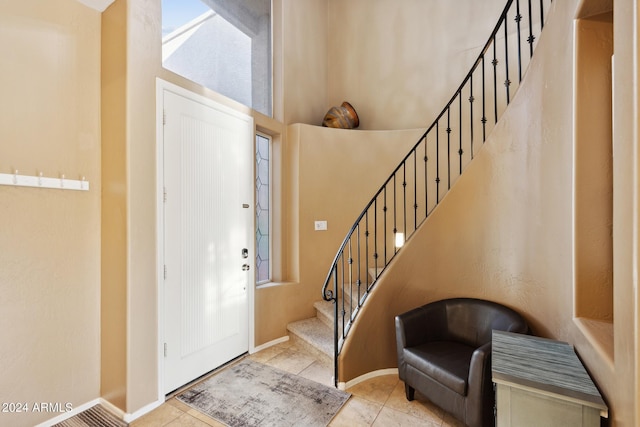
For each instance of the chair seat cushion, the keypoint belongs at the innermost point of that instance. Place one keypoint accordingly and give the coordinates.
(447, 362)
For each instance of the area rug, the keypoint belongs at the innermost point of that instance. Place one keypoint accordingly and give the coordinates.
(254, 394)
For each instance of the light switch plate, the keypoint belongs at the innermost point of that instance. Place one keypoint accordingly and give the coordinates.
(320, 225)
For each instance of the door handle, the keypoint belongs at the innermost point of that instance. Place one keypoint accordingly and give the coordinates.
(246, 267)
(245, 253)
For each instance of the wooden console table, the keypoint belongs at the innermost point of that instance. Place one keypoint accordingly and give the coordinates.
(541, 382)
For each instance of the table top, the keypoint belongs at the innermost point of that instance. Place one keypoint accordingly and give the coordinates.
(549, 366)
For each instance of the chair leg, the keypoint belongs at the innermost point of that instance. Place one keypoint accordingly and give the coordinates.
(409, 391)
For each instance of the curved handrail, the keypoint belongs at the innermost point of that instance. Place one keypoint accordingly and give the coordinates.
(352, 260)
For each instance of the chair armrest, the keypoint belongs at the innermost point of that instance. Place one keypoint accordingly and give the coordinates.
(480, 389)
(480, 364)
(408, 326)
(409, 332)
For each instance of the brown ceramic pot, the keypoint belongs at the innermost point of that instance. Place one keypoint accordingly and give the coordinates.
(343, 117)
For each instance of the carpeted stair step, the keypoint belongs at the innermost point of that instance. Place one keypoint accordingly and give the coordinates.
(314, 336)
(325, 312)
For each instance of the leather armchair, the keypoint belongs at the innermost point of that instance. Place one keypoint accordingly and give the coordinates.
(444, 352)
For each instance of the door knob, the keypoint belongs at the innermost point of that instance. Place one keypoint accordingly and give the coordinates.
(245, 267)
(245, 253)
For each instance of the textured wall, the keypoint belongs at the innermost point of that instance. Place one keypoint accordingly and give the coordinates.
(338, 172)
(399, 63)
(49, 239)
(505, 232)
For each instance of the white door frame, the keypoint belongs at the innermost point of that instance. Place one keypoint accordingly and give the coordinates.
(161, 87)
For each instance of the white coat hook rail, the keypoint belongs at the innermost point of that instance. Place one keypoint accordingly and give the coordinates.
(40, 181)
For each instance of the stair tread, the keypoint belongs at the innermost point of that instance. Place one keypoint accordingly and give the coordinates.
(314, 331)
(324, 306)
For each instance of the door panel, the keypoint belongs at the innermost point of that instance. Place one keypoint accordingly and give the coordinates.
(207, 224)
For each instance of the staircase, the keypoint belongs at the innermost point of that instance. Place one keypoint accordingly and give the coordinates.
(316, 334)
(422, 178)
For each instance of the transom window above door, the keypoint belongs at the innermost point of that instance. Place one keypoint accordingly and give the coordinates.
(224, 45)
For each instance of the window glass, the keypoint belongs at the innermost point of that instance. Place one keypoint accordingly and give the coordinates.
(263, 206)
(224, 45)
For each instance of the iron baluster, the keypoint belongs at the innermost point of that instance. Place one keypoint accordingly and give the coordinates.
(366, 252)
(484, 105)
(495, 81)
(448, 148)
(531, 38)
(358, 265)
(415, 190)
(426, 179)
(344, 308)
(460, 151)
(334, 273)
(385, 225)
(404, 199)
(518, 19)
(350, 277)
(471, 100)
(437, 162)
(395, 212)
(375, 238)
(507, 82)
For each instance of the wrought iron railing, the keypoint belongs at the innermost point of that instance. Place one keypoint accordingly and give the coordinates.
(427, 172)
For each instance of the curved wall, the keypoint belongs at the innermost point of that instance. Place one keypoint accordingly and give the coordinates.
(505, 230)
(399, 63)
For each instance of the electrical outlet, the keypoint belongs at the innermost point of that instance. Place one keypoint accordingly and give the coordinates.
(320, 225)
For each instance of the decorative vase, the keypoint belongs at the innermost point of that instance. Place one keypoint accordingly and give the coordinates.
(343, 117)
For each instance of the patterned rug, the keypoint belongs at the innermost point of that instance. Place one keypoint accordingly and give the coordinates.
(253, 394)
(93, 417)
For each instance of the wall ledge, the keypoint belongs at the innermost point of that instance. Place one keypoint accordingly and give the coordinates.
(600, 336)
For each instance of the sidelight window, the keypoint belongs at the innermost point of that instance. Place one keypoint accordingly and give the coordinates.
(263, 209)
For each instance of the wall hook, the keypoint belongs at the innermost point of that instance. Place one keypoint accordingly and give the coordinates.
(41, 181)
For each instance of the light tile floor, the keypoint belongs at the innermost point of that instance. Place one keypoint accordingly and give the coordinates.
(378, 402)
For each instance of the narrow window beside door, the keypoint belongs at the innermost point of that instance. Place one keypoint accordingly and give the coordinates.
(263, 206)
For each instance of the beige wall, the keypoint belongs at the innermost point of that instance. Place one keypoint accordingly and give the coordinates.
(626, 211)
(114, 208)
(304, 59)
(49, 239)
(505, 231)
(593, 168)
(337, 172)
(398, 65)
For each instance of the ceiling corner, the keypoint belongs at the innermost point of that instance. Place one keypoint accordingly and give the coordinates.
(99, 5)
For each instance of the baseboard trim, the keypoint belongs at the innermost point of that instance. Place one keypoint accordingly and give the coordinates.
(367, 376)
(126, 417)
(114, 410)
(269, 344)
(119, 413)
(75, 411)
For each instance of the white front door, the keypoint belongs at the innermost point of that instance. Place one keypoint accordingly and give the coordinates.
(208, 235)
